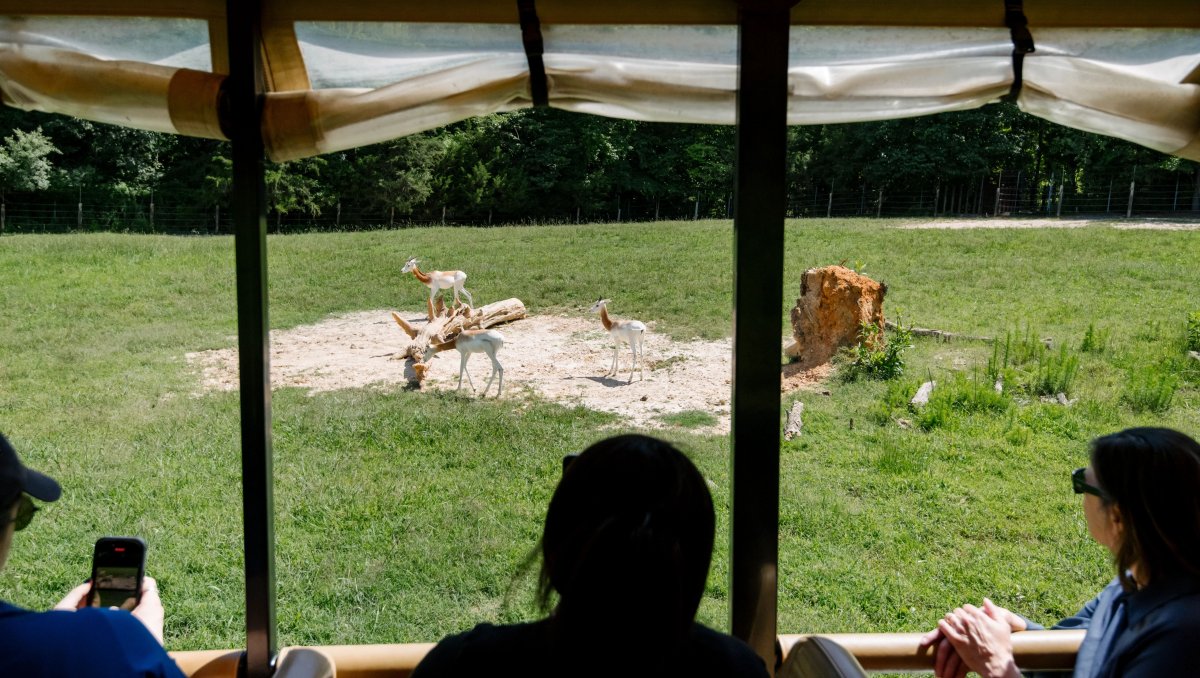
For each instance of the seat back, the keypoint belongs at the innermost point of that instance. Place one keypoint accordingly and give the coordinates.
(305, 662)
(818, 657)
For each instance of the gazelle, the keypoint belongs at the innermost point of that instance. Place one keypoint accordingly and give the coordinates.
(439, 280)
(474, 341)
(627, 331)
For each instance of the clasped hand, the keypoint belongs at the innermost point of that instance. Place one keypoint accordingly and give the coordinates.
(975, 639)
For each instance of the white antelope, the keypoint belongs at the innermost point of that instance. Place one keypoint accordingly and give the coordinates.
(439, 280)
(622, 331)
(474, 341)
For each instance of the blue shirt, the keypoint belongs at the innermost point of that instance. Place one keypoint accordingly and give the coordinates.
(88, 642)
(1154, 631)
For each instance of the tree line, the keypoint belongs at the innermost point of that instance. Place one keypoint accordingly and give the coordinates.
(548, 165)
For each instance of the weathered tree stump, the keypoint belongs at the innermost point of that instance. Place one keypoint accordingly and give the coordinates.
(447, 324)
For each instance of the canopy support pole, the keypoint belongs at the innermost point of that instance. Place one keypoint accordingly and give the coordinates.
(759, 209)
(243, 124)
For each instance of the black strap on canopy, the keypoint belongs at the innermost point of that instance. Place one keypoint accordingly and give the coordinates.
(531, 36)
(1022, 39)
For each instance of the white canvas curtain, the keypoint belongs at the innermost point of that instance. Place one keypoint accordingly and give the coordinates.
(369, 82)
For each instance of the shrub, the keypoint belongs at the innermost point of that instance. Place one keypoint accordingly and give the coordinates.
(1150, 389)
(1193, 331)
(875, 357)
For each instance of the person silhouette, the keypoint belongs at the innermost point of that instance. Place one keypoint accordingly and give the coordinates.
(625, 550)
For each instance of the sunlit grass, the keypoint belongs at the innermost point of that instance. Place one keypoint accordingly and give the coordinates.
(401, 516)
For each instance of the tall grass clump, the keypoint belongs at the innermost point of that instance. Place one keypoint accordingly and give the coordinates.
(1150, 388)
(1094, 340)
(1024, 363)
(875, 356)
(961, 395)
(1193, 331)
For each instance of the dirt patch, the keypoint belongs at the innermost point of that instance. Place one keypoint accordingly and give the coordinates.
(557, 358)
(1130, 225)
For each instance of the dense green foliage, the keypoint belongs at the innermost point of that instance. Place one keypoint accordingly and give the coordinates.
(544, 165)
(402, 516)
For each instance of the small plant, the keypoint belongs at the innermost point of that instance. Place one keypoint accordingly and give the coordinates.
(1193, 331)
(1055, 373)
(1150, 389)
(1094, 340)
(875, 357)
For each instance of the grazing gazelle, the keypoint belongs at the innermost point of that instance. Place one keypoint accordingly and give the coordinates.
(627, 331)
(439, 280)
(474, 341)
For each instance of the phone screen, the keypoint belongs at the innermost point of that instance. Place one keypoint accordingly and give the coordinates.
(117, 571)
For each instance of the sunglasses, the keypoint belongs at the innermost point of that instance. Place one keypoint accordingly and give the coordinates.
(25, 511)
(1080, 484)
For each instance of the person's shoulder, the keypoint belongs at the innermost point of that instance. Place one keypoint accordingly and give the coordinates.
(55, 641)
(718, 654)
(483, 646)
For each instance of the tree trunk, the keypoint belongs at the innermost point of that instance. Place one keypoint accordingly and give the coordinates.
(448, 324)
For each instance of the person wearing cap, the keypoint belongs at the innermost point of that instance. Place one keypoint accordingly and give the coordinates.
(71, 640)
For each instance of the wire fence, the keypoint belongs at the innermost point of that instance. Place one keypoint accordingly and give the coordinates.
(1007, 194)
(1011, 194)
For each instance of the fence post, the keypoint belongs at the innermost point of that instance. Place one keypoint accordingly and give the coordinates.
(1129, 210)
(217, 219)
(1175, 203)
(443, 215)
(1108, 207)
(1061, 195)
(1050, 194)
(151, 209)
(696, 212)
(337, 218)
(937, 193)
(829, 207)
(979, 198)
(79, 214)
(879, 205)
(3, 207)
(392, 217)
(999, 188)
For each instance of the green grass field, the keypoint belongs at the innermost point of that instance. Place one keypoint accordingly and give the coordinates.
(403, 516)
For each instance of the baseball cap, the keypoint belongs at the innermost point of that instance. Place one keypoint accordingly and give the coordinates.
(15, 476)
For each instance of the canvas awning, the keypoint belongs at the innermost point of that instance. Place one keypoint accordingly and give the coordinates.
(346, 74)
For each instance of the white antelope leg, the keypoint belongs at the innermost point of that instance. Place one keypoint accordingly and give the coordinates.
(462, 369)
(497, 368)
(459, 288)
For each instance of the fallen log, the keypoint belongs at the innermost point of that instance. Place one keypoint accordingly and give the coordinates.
(943, 335)
(447, 325)
(794, 423)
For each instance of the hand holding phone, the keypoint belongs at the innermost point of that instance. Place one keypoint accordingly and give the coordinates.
(118, 568)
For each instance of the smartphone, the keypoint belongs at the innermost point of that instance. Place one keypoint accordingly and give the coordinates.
(118, 567)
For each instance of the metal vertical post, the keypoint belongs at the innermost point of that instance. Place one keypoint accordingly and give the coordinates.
(245, 89)
(761, 199)
(1129, 209)
(1062, 181)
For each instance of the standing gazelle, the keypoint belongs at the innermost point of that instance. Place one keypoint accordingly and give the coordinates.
(474, 341)
(622, 331)
(439, 280)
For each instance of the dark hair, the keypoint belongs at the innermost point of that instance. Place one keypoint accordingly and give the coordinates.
(628, 542)
(1153, 476)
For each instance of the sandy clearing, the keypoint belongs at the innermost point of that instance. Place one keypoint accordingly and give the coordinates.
(562, 359)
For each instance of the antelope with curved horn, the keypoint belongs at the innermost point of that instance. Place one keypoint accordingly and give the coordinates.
(622, 331)
(474, 341)
(437, 281)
